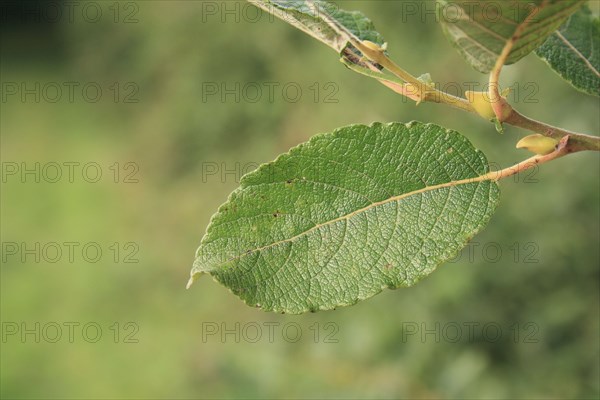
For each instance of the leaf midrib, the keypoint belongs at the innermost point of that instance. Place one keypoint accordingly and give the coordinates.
(399, 197)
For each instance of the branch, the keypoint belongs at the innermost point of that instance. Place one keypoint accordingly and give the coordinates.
(511, 116)
(564, 147)
(409, 86)
(578, 140)
(506, 113)
(409, 90)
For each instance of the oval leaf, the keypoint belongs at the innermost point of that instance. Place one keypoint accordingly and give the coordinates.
(572, 51)
(481, 29)
(343, 216)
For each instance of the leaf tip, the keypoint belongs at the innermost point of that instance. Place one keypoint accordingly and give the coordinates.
(193, 278)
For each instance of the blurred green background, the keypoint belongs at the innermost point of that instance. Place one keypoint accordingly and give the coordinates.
(516, 315)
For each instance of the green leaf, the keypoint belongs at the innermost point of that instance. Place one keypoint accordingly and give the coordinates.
(341, 217)
(574, 51)
(313, 20)
(480, 29)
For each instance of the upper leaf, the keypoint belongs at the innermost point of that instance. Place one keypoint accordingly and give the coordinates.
(574, 51)
(343, 216)
(480, 29)
(312, 20)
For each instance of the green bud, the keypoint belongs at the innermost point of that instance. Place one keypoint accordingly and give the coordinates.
(480, 101)
(538, 144)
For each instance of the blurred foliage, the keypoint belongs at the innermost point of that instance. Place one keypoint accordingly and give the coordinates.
(171, 133)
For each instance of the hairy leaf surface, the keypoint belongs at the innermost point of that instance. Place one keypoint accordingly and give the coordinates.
(337, 219)
(574, 51)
